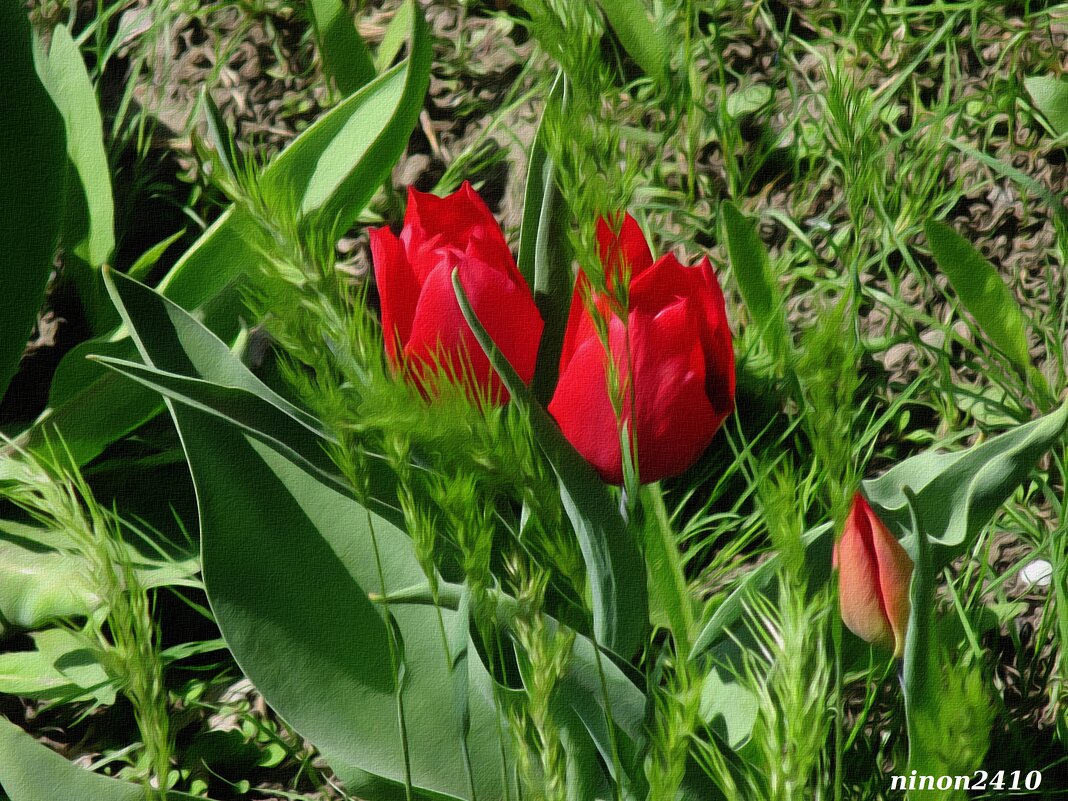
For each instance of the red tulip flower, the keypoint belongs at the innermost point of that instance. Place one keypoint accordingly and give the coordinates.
(673, 358)
(873, 579)
(425, 331)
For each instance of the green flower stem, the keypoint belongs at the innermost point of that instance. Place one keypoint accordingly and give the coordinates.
(921, 700)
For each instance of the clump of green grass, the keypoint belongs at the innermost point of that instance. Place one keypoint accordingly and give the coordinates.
(122, 632)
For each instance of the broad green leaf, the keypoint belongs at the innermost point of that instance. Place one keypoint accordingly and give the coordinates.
(346, 59)
(315, 645)
(332, 169)
(613, 562)
(212, 379)
(544, 253)
(32, 170)
(1051, 96)
(984, 295)
(184, 344)
(958, 493)
(62, 668)
(646, 43)
(45, 576)
(30, 771)
(90, 234)
(39, 582)
(752, 270)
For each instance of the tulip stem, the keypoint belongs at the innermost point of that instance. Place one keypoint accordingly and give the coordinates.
(921, 706)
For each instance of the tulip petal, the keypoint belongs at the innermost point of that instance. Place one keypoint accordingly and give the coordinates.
(579, 323)
(438, 229)
(398, 290)
(623, 254)
(895, 575)
(583, 410)
(442, 340)
(673, 417)
(667, 282)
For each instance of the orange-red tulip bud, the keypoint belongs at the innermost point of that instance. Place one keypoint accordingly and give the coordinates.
(873, 579)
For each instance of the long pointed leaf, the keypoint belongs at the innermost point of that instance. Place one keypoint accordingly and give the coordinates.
(91, 213)
(752, 270)
(32, 169)
(985, 295)
(346, 59)
(315, 645)
(544, 252)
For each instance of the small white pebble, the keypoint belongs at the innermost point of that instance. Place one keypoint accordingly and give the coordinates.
(1038, 572)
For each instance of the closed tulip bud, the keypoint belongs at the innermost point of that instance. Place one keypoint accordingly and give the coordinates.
(873, 579)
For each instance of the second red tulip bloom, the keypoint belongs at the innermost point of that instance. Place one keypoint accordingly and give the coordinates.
(678, 386)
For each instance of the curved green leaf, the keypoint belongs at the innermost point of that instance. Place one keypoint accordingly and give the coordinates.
(32, 169)
(613, 560)
(958, 493)
(207, 376)
(984, 294)
(314, 644)
(544, 252)
(30, 771)
(346, 59)
(90, 231)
